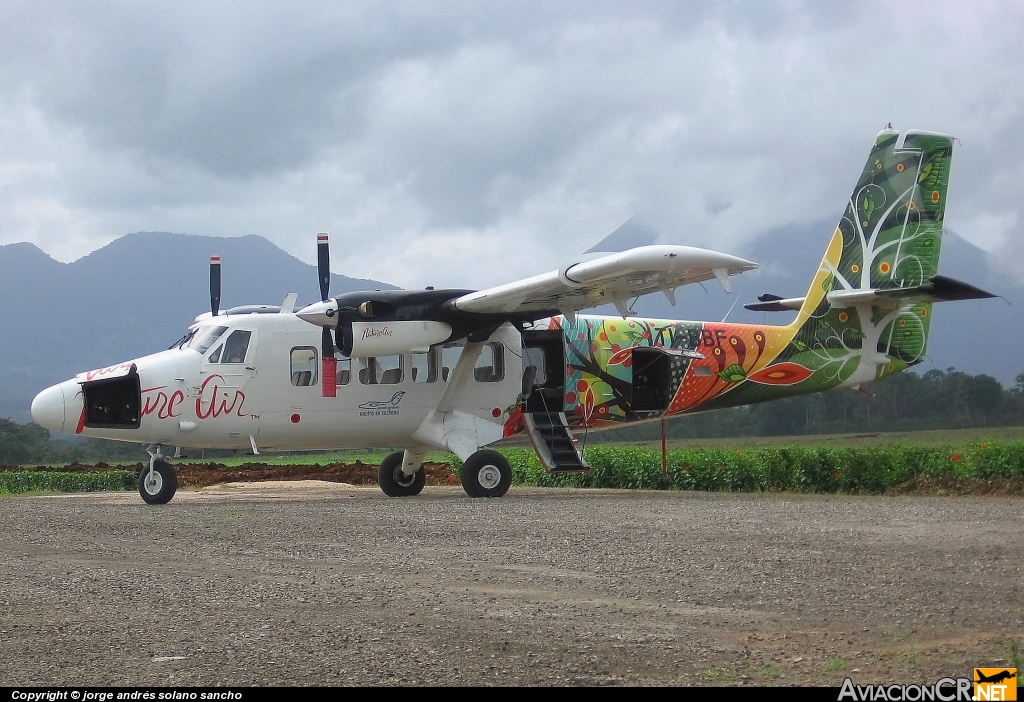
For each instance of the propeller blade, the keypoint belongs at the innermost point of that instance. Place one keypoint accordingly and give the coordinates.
(329, 372)
(323, 264)
(214, 285)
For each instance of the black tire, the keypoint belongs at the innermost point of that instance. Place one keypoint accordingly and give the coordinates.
(486, 474)
(394, 483)
(163, 485)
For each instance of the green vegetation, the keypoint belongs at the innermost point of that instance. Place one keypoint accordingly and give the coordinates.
(770, 671)
(789, 458)
(825, 468)
(15, 482)
(1016, 653)
(865, 470)
(949, 401)
(901, 402)
(835, 665)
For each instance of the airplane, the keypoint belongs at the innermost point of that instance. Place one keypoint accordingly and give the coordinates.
(459, 370)
(995, 677)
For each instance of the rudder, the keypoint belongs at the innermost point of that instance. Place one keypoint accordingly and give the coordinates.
(888, 238)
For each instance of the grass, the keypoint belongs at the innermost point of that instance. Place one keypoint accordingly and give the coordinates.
(827, 464)
(21, 482)
(1016, 655)
(770, 672)
(834, 666)
(937, 437)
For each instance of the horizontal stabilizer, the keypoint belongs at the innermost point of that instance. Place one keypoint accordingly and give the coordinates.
(939, 289)
(775, 303)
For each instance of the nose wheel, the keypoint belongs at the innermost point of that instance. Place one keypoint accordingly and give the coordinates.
(394, 482)
(158, 483)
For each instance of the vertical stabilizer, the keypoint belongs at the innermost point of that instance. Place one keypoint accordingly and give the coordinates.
(889, 237)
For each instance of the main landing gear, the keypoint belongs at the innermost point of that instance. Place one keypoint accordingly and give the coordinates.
(484, 474)
(159, 482)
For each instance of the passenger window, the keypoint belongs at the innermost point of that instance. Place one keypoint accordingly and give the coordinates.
(304, 366)
(449, 357)
(534, 356)
(368, 371)
(236, 346)
(490, 364)
(424, 367)
(344, 369)
(389, 370)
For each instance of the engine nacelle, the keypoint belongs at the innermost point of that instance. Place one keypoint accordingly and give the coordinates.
(362, 339)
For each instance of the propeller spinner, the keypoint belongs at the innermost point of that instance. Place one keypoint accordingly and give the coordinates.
(329, 372)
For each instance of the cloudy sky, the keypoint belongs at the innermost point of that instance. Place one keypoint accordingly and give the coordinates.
(472, 143)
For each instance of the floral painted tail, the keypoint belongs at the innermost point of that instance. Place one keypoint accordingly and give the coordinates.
(868, 310)
(865, 315)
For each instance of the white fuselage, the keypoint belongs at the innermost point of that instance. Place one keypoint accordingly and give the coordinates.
(269, 395)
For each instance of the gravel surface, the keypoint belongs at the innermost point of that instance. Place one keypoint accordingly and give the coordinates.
(312, 583)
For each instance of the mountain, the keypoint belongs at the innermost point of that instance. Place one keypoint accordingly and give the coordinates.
(138, 294)
(135, 296)
(974, 336)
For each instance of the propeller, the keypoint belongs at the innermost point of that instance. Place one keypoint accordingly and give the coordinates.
(214, 285)
(329, 373)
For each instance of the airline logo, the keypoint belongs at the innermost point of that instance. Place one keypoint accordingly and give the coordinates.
(371, 333)
(995, 684)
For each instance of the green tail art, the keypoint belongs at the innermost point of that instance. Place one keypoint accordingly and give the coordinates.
(865, 314)
(889, 240)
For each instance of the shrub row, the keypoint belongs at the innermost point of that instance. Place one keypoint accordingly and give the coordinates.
(47, 481)
(848, 470)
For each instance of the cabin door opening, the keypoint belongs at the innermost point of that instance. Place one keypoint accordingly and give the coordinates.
(652, 374)
(544, 364)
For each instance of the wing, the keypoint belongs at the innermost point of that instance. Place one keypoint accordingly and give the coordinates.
(608, 278)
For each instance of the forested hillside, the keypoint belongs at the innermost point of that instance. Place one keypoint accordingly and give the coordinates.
(906, 401)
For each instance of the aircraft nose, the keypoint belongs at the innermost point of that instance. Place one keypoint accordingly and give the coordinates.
(48, 408)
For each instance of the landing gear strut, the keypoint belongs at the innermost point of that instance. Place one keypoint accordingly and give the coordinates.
(486, 474)
(159, 482)
(393, 480)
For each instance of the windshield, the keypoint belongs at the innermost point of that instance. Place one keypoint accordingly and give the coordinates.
(203, 338)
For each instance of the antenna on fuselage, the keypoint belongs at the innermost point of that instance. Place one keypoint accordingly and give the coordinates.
(329, 374)
(214, 285)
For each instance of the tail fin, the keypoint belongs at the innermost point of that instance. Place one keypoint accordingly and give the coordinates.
(887, 240)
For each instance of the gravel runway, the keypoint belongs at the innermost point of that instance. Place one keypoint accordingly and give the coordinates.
(314, 583)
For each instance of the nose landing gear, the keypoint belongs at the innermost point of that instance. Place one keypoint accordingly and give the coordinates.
(159, 482)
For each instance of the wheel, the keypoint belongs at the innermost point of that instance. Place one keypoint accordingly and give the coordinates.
(394, 482)
(158, 486)
(486, 474)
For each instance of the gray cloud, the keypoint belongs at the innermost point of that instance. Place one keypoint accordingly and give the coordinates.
(468, 143)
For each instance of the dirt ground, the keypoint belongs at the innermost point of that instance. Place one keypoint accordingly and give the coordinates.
(321, 583)
(193, 475)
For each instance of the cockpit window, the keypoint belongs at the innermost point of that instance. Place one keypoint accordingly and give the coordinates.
(236, 346)
(203, 338)
(215, 355)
